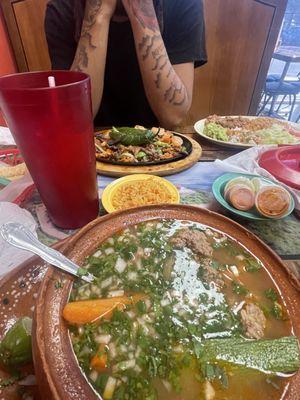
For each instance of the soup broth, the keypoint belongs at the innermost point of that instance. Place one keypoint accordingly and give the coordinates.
(177, 301)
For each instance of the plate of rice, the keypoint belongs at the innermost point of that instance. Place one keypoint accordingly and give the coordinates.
(248, 131)
(138, 190)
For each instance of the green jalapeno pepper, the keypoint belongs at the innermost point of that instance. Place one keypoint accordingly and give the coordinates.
(15, 348)
(132, 136)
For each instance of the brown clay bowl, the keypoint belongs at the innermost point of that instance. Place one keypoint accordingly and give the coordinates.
(18, 292)
(58, 374)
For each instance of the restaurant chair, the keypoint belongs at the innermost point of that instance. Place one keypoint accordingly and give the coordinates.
(273, 78)
(273, 90)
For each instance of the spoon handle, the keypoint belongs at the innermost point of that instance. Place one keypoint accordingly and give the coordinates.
(20, 236)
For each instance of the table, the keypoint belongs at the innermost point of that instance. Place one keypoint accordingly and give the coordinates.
(200, 175)
(289, 55)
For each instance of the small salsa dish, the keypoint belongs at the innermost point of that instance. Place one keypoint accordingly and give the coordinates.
(252, 196)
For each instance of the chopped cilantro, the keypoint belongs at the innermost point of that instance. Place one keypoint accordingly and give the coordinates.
(82, 272)
(276, 311)
(271, 294)
(252, 265)
(238, 288)
(213, 371)
(5, 382)
(141, 307)
(58, 285)
(216, 265)
(101, 382)
(198, 348)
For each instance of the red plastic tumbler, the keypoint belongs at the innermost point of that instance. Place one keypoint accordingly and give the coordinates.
(53, 128)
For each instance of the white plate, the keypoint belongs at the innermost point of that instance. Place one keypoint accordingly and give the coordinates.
(199, 128)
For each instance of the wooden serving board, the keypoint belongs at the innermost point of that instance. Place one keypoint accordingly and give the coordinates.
(159, 170)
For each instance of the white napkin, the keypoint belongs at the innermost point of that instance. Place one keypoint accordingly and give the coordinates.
(6, 137)
(10, 256)
(247, 162)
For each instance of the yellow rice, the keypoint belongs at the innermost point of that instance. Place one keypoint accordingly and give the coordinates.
(140, 193)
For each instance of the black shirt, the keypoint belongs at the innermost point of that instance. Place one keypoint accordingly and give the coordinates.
(124, 101)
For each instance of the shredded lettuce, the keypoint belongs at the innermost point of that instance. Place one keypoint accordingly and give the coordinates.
(276, 135)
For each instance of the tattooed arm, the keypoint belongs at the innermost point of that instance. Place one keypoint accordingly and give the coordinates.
(92, 47)
(168, 88)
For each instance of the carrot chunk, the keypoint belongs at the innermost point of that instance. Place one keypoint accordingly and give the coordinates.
(87, 311)
(99, 361)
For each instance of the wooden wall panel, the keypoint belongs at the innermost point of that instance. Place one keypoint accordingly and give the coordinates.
(29, 15)
(14, 35)
(7, 61)
(241, 36)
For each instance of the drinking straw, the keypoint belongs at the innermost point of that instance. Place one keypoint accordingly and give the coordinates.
(51, 81)
(53, 97)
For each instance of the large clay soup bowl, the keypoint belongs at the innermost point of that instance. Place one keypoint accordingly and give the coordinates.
(57, 369)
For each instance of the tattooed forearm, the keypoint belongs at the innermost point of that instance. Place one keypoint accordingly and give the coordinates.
(148, 49)
(152, 50)
(93, 8)
(166, 92)
(86, 40)
(157, 80)
(176, 93)
(147, 44)
(160, 57)
(81, 59)
(143, 12)
(170, 71)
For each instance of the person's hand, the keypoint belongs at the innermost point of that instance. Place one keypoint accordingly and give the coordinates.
(95, 8)
(143, 11)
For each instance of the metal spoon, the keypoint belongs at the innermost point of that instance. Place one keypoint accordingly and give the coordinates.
(20, 236)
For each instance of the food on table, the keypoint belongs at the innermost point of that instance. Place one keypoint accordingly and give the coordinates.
(256, 131)
(140, 192)
(269, 200)
(132, 136)
(187, 313)
(13, 172)
(240, 192)
(240, 180)
(139, 145)
(215, 131)
(83, 312)
(273, 201)
(15, 347)
(273, 355)
(240, 197)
